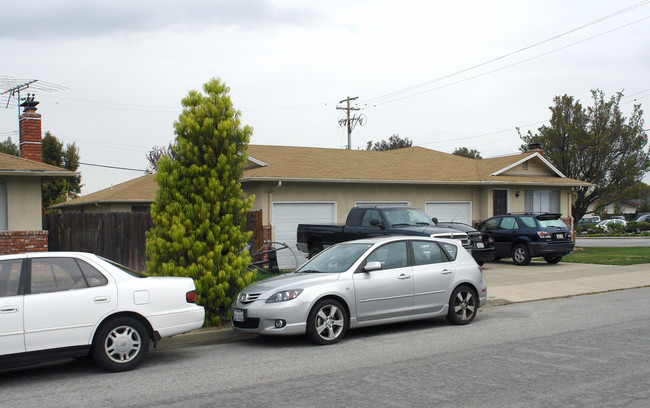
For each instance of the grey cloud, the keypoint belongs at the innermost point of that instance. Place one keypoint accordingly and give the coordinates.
(31, 19)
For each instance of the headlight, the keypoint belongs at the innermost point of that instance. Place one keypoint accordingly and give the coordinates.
(284, 296)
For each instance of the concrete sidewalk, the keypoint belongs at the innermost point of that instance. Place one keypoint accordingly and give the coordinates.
(506, 282)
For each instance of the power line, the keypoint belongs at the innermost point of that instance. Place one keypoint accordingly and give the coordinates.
(414, 87)
(111, 167)
(507, 66)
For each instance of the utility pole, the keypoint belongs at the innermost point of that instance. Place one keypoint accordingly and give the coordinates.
(348, 121)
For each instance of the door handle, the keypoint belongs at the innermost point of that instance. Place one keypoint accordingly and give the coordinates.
(9, 309)
(101, 299)
(403, 276)
(445, 272)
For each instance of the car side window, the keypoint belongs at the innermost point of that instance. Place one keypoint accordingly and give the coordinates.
(508, 223)
(10, 277)
(390, 256)
(92, 275)
(528, 222)
(451, 250)
(55, 275)
(426, 253)
(368, 216)
(491, 224)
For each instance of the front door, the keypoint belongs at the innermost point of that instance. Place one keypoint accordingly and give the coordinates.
(499, 202)
(387, 292)
(12, 334)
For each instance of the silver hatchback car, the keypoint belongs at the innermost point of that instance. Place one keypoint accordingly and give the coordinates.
(363, 283)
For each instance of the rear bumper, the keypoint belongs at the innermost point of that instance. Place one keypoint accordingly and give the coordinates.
(551, 248)
(483, 255)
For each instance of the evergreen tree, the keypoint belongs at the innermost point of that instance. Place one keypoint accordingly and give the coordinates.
(465, 152)
(9, 147)
(60, 189)
(200, 209)
(393, 142)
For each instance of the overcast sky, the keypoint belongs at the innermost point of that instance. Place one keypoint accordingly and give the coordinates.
(111, 74)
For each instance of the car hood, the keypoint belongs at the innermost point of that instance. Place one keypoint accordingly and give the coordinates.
(429, 231)
(288, 281)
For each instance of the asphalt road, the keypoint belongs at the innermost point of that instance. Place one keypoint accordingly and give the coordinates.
(581, 351)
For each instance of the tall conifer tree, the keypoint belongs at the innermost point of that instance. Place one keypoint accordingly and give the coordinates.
(200, 209)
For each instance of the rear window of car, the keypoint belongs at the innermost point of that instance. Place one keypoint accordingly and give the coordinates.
(552, 223)
(10, 277)
(126, 269)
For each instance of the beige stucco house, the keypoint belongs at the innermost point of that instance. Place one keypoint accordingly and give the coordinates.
(295, 185)
(20, 187)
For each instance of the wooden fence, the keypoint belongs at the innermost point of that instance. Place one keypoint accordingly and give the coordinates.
(119, 236)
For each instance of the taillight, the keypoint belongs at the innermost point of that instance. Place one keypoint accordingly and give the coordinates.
(544, 234)
(190, 296)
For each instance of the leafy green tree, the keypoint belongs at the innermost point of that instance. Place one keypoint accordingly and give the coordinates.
(60, 189)
(393, 142)
(465, 152)
(597, 145)
(9, 147)
(200, 209)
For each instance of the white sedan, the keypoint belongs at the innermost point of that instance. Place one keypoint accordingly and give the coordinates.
(68, 304)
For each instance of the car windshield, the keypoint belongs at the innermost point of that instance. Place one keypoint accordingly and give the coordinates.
(552, 223)
(336, 259)
(403, 217)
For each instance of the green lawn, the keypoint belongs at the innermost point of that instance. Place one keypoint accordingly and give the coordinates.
(610, 256)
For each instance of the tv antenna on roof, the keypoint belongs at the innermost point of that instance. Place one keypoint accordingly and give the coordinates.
(18, 85)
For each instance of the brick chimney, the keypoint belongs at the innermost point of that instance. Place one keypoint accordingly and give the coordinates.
(30, 131)
(536, 147)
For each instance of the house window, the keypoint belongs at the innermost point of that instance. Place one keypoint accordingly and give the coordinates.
(3, 207)
(537, 201)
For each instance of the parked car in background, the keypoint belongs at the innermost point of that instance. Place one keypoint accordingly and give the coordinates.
(528, 235)
(606, 225)
(584, 221)
(644, 217)
(57, 305)
(482, 244)
(364, 222)
(362, 283)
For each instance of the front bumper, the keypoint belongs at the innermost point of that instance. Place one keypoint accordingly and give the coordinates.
(551, 248)
(260, 317)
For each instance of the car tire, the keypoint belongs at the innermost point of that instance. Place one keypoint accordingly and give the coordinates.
(480, 263)
(553, 259)
(327, 322)
(120, 344)
(463, 305)
(521, 255)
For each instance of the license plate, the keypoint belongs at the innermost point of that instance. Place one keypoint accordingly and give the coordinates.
(238, 315)
(559, 236)
(480, 245)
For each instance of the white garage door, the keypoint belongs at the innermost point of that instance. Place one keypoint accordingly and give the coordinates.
(287, 216)
(458, 211)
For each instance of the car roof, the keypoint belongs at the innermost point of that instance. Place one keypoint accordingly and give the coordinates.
(394, 238)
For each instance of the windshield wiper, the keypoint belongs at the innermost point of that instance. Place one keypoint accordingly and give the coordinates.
(309, 271)
(401, 225)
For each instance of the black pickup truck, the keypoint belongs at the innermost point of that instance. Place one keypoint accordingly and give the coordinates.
(363, 222)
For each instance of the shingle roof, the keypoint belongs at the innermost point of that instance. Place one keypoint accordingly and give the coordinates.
(17, 166)
(412, 164)
(142, 189)
(416, 165)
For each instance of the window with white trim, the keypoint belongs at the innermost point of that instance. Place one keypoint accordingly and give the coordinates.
(539, 201)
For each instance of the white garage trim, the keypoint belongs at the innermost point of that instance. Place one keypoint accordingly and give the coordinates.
(381, 203)
(285, 219)
(458, 211)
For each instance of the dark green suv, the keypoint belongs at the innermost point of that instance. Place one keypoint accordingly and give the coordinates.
(525, 236)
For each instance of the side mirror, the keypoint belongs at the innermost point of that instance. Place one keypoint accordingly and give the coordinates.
(372, 266)
(376, 222)
(435, 220)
